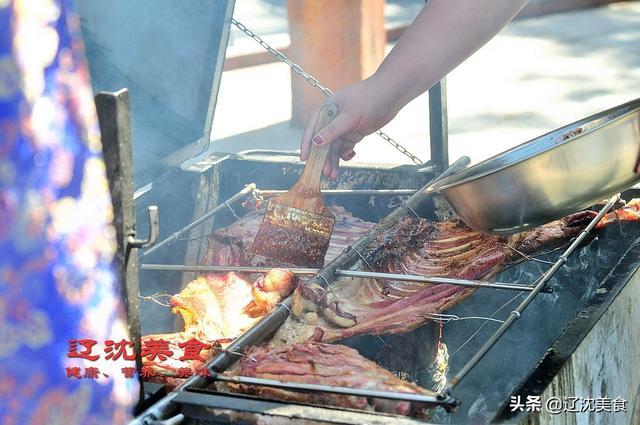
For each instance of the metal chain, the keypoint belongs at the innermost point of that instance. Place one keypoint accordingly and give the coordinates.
(313, 81)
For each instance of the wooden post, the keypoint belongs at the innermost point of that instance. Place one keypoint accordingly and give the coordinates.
(339, 41)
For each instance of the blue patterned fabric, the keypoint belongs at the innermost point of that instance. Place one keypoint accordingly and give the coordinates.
(56, 240)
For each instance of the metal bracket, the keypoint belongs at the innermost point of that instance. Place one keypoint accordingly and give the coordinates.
(438, 125)
(154, 231)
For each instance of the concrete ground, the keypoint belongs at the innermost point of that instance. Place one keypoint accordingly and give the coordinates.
(536, 75)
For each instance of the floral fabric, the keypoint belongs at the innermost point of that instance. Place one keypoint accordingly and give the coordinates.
(56, 240)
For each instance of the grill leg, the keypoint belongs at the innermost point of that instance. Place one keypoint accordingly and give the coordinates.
(115, 127)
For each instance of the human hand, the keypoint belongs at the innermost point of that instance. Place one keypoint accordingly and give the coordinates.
(364, 108)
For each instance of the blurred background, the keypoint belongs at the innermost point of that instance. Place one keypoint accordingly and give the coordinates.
(559, 61)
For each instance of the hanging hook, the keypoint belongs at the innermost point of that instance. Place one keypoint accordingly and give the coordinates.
(154, 230)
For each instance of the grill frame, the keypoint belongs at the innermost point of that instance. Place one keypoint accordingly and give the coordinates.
(537, 379)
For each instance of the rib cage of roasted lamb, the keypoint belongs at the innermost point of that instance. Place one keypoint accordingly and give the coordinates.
(357, 306)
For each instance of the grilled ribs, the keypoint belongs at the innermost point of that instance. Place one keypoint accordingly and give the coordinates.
(357, 306)
(327, 364)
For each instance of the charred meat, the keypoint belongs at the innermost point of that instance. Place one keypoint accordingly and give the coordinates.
(328, 364)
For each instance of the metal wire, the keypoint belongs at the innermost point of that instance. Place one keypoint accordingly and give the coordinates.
(364, 260)
(526, 256)
(446, 318)
(410, 209)
(237, 353)
(232, 211)
(286, 307)
(153, 297)
(326, 282)
(313, 81)
(468, 340)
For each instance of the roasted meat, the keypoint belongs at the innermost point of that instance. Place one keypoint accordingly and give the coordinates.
(327, 364)
(269, 290)
(212, 306)
(629, 212)
(216, 309)
(357, 306)
(230, 245)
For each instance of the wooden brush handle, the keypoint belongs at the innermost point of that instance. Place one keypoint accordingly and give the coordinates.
(310, 178)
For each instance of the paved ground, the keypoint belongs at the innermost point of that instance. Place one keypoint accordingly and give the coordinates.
(536, 75)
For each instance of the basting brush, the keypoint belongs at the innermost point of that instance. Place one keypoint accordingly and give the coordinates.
(297, 226)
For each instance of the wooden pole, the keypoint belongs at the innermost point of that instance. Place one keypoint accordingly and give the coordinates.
(339, 41)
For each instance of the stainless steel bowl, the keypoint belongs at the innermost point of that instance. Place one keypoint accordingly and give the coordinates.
(551, 176)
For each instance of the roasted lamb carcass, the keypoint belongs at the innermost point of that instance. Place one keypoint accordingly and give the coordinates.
(328, 364)
(357, 306)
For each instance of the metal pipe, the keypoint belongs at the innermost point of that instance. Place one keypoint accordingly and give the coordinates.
(176, 420)
(356, 392)
(221, 269)
(247, 189)
(515, 315)
(438, 125)
(393, 192)
(346, 273)
(436, 280)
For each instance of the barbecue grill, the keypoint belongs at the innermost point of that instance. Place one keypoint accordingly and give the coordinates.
(570, 341)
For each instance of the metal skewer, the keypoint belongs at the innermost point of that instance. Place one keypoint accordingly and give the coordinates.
(437, 280)
(268, 193)
(357, 392)
(346, 273)
(515, 314)
(392, 192)
(247, 189)
(222, 269)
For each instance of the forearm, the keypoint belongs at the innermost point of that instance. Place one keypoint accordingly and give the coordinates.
(444, 34)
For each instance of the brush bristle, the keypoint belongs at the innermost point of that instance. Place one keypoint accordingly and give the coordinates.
(293, 236)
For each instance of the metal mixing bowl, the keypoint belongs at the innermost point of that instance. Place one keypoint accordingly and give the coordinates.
(551, 176)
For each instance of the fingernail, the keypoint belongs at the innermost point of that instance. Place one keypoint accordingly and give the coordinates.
(318, 140)
(351, 155)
